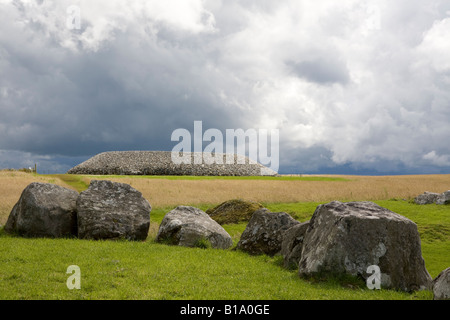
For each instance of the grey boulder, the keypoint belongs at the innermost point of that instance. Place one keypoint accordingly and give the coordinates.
(44, 210)
(112, 210)
(426, 198)
(441, 286)
(189, 226)
(444, 198)
(347, 238)
(265, 232)
(291, 247)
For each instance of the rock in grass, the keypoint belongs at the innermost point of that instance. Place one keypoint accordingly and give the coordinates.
(265, 232)
(192, 227)
(444, 198)
(426, 198)
(44, 210)
(441, 286)
(291, 247)
(233, 211)
(347, 238)
(112, 210)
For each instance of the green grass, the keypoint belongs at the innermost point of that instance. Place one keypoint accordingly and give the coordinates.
(72, 180)
(36, 268)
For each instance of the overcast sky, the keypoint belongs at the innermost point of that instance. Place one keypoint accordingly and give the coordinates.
(353, 86)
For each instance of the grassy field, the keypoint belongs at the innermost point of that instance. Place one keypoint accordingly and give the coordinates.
(36, 268)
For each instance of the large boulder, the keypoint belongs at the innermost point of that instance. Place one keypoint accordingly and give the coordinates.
(234, 211)
(426, 198)
(347, 238)
(112, 210)
(190, 227)
(444, 198)
(44, 210)
(441, 286)
(291, 247)
(265, 232)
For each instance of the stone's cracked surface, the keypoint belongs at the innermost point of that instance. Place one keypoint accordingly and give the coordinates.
(347, 238)
(44, 210)
(265, 232)
(187, 226)
(112, 210)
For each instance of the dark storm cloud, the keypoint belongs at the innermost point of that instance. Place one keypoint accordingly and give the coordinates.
(351, 85)
(124, 96)
(322, 71)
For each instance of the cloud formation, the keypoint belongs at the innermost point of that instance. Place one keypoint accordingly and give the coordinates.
(352, 87)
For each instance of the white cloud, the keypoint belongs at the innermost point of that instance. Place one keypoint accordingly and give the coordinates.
(438, 160)
(435, 46)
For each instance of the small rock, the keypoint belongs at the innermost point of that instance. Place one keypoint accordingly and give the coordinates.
(426, 198)
(291, 247)
(444, 198)
(188, 226)
(265, 232)
(233, 211)
(441, 286)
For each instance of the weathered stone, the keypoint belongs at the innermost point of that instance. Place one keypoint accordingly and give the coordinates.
(347, 238)
(291, 247)
(44, 210)
(189, 226)
(160, 163)
(112, 210)
(233, 211)
(426, 198)
(444, 198)
(265, 232)
(441, 285)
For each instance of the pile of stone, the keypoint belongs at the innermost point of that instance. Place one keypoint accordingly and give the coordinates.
(106, 210)
(432, 197)
(161, 163)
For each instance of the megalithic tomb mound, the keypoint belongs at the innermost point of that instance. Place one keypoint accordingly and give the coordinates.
(161, 163)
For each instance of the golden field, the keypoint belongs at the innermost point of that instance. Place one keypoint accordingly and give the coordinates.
(161, 192)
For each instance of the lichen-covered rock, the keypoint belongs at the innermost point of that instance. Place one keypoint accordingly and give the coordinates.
(291, 247)
(160, 163)
(188, 226)
(347, 238)
(233, 211)
(426, 198)
(112, 210)
(44, 210)
(444, 198)
(265, 232)
(441, 285)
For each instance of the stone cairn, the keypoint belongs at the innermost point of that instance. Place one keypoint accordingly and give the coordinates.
(160, 163)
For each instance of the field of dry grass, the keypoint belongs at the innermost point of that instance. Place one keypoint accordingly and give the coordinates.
(171, 192)
(163, 192)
